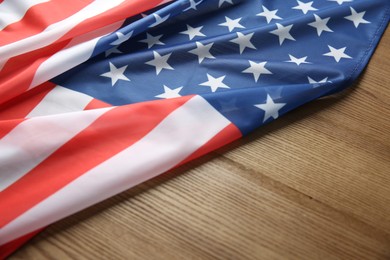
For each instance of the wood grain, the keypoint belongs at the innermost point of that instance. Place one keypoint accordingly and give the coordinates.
(314, 184)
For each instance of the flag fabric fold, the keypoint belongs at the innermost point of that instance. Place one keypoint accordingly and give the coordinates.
(97, 97)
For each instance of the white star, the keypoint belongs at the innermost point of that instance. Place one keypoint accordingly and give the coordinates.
(115, 74)
(160, 62)
(317, 83)
(193, 5)
(320, 24)
(170, 93)
(269, 15)
(356, 18)
(111, 51)
(305, 7)
(257, 69)
(297, 61)
(283, 32)
(152, 40)
(159, 20)
(221, 2)
(337, 54)
(202, 51)
(193, 32)
(214, 83)
(340, 2)
(232, 24)
(270, 108)
(121, 38)
(244, 41)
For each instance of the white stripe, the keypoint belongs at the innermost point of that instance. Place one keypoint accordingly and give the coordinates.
(180, 134)
(56, 30)
(60, 100)
(14, 10)
(33, 140)
(77, 51)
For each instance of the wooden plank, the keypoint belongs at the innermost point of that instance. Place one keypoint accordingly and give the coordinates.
(314, 184)
(214, 210)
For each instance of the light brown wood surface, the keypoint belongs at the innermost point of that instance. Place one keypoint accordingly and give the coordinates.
(314, 184)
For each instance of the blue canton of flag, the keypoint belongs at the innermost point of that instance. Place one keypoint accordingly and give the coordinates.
(253, 60)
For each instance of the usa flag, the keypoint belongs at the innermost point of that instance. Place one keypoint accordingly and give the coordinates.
(99, 96)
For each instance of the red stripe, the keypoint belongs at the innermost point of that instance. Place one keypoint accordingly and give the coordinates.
(111, 133)
(22, 105)
(7, 125)
(7, 249)
(226, 136)
(13, 112)
(39, 17)
(17, 74)
(19, 108)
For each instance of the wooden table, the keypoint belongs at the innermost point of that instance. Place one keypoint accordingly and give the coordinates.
(314, 184)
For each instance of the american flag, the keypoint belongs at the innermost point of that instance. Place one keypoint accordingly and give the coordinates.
(99, 96)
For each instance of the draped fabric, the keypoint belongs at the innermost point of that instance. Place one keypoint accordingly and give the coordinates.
(99, 96)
